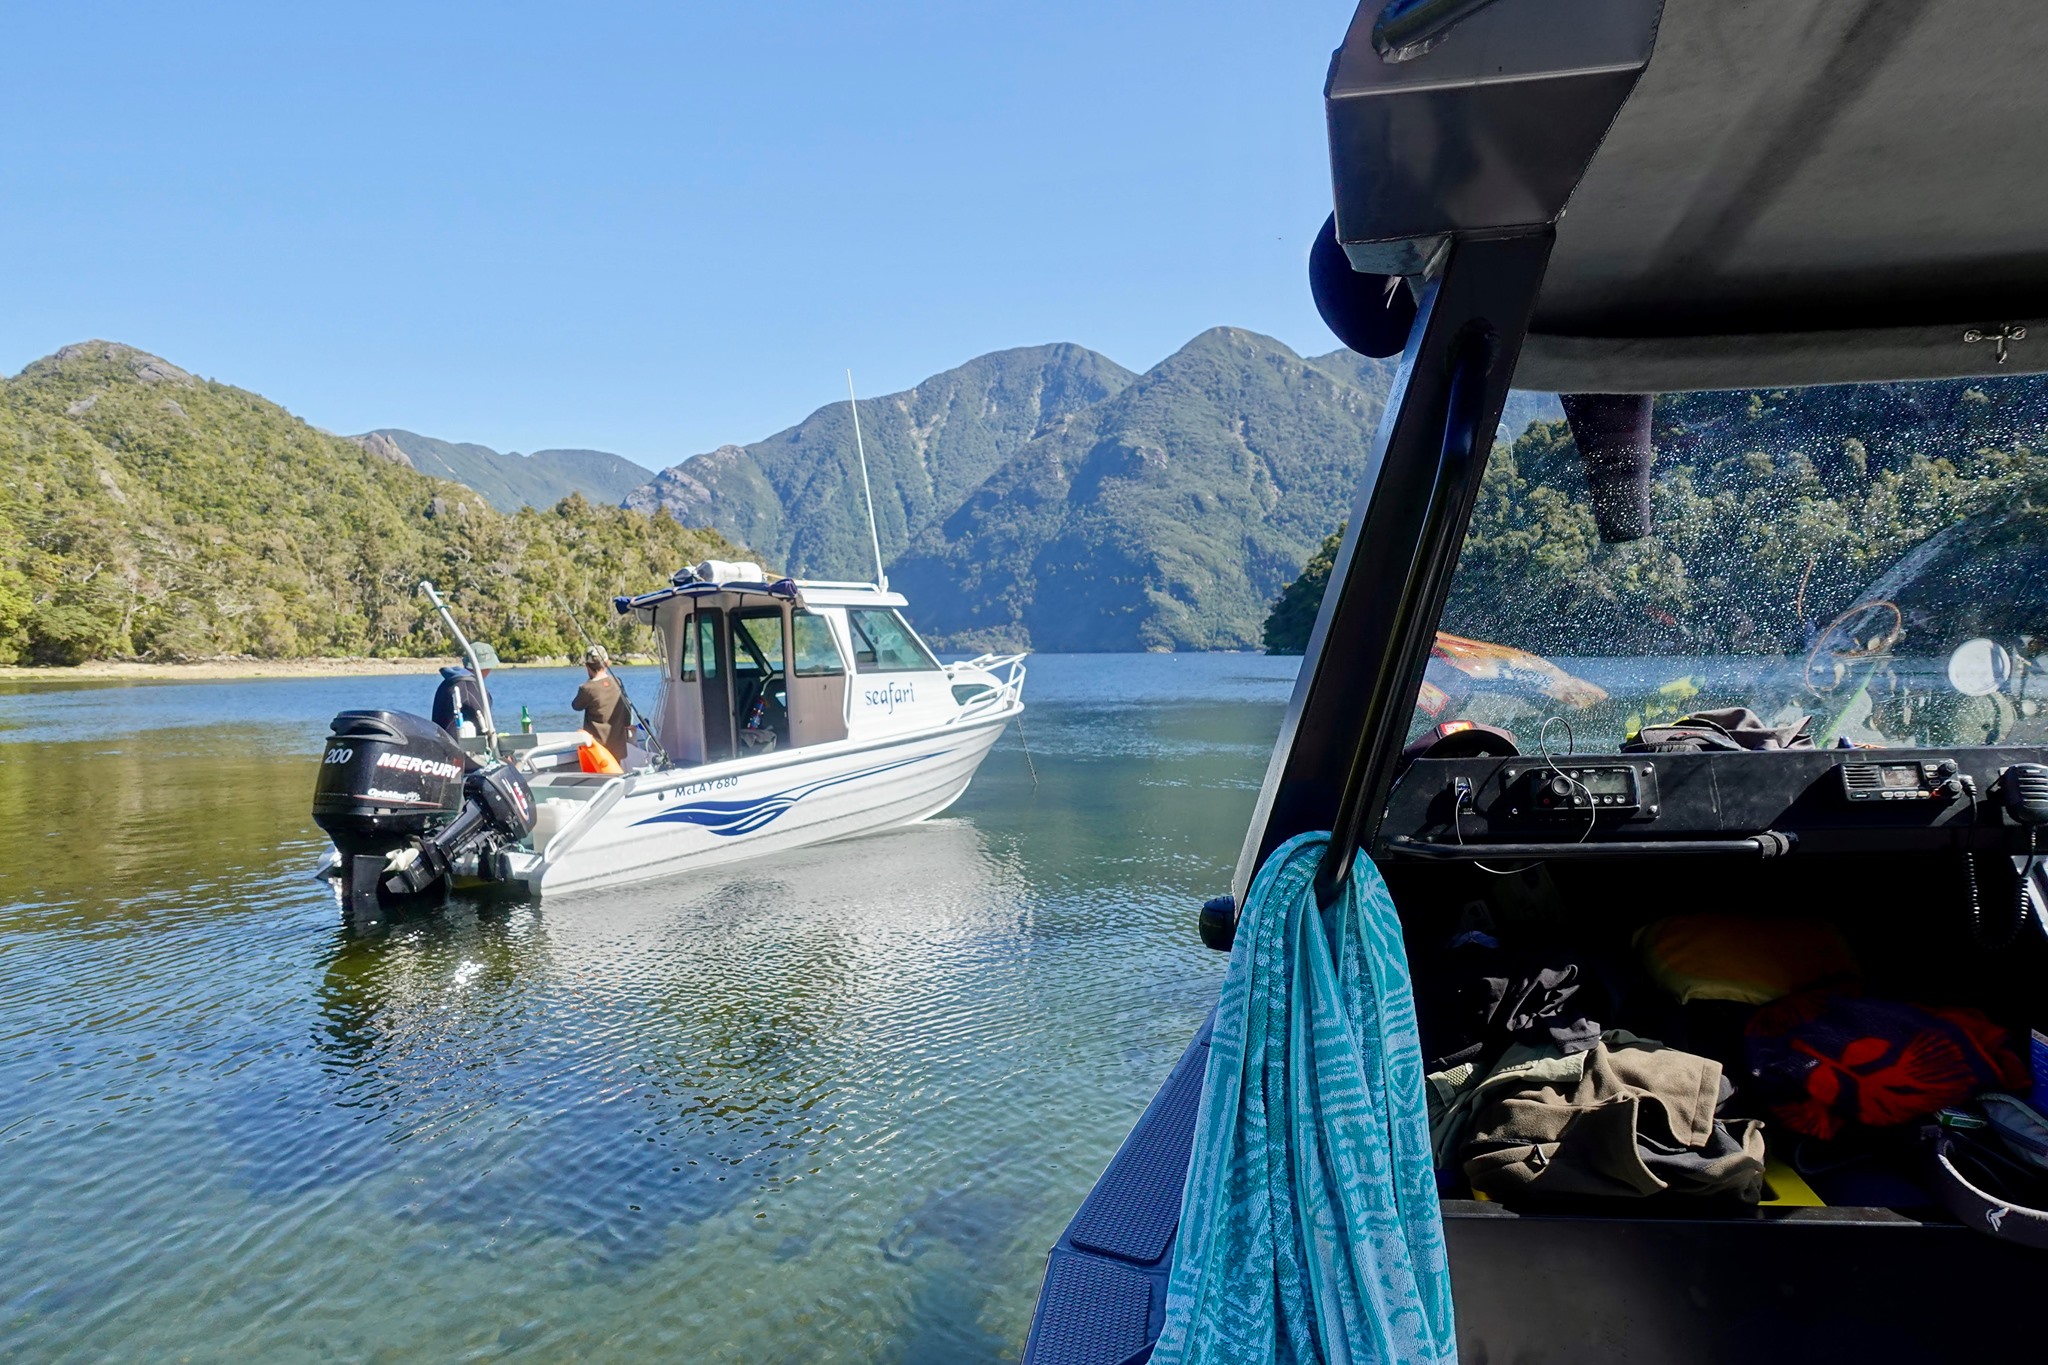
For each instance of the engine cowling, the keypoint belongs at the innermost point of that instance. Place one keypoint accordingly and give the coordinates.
(386, 778)
(406, 808)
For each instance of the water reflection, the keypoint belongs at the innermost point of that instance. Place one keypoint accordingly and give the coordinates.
(700, 1038)
(830, 1108)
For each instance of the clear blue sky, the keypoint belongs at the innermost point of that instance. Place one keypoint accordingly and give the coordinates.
(650, 229)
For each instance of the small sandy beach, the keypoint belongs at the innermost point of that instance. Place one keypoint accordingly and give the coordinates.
(231, 669)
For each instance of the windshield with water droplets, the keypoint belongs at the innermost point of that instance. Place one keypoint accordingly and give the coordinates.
(1872, 556)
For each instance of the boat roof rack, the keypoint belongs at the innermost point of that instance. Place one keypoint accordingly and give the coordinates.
(781, 590)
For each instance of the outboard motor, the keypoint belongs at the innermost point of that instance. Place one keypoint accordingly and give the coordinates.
(406, 806)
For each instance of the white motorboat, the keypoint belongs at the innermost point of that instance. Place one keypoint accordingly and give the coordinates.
(790, 713)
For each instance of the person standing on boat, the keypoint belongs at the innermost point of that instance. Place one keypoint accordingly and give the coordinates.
(603, 703)
(461, 694)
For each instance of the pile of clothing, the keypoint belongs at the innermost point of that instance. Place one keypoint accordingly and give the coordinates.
(1530, 1097)
(1533, 1093)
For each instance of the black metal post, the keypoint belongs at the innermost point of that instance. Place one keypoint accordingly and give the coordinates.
(1352, 701)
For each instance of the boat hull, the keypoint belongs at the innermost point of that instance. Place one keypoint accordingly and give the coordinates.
(660, 824)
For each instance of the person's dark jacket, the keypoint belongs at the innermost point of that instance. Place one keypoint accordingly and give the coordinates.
(459, 694)
(605, 713)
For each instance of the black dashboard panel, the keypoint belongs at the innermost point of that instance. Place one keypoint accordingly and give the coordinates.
(1826, 800)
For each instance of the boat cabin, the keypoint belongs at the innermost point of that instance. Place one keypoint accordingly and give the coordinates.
(753, 666)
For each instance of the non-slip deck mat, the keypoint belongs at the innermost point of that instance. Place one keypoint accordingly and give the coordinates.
(1097, 1313)
(1132, 1212)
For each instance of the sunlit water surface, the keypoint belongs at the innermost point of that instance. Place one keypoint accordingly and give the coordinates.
(833, 1107)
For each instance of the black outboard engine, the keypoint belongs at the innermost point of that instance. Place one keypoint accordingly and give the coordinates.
(406, 806)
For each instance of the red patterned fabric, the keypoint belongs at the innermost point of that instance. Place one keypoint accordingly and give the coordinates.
(1824, 1060)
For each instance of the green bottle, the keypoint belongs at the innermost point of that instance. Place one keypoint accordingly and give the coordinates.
(525, 722)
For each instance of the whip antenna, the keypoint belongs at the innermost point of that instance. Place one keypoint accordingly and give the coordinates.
(874, 536)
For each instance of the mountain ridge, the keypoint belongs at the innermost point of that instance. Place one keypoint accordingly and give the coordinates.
(795, 495)
(507, 479)
(1036, 497)
(1079, 505)
(1164, 517)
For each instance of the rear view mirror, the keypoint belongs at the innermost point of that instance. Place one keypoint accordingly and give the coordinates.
(1612, 432)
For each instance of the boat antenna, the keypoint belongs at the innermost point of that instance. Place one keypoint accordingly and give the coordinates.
(874, 536)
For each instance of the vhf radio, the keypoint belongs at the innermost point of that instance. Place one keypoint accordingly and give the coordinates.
(2024, 790)
(2024, 787)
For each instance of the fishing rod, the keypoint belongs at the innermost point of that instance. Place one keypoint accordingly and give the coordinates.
(490, 730)
(632, 711)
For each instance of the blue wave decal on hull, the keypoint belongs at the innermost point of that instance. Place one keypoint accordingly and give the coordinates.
(728, 818)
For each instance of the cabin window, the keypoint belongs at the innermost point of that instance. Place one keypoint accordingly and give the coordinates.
(700, 648)
(882, 643)
(757, 640)
(817, 653)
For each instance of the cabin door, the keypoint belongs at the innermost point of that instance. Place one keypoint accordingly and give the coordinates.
(710, 653)
(760, 697)
(817, 687)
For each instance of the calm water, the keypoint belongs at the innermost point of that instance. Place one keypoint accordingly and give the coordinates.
(835, 1108)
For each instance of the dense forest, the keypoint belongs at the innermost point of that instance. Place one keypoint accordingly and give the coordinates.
(1046, 497)
(795, 496)
(1772, 510)
(1164, 516)
(147, 513)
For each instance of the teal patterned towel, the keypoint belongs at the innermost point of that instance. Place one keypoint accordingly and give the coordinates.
(1309, 1229)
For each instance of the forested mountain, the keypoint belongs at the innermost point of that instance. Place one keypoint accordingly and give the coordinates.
(510, 481)
(795, 497)
(1043, 496)
(147, 512)
(1165, 517)
(1772, 511)
(1047, 497)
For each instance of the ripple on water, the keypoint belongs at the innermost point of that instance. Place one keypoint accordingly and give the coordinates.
(832, 1108)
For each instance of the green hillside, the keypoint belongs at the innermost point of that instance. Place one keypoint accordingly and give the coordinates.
(145, 512)
(510, 481)
(1049, 498)
(1772, 510)
(1293, 618)
(795, 496)
(1164, 517)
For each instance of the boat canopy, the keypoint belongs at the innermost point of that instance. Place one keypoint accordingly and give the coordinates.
(1801, 192)
(803, 592)
(642, 608)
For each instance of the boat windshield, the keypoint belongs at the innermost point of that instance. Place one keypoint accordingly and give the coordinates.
(1874, 557)
(882, 643)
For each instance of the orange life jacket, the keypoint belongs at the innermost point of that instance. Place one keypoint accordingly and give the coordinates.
(593, 757)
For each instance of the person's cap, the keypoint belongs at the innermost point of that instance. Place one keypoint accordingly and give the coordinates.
(486, 657)
(595, 657)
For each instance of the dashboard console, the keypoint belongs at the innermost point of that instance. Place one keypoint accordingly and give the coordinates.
(1762, 804)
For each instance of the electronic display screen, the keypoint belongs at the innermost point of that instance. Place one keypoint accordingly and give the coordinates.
(1606, 781)
(1900, 774)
